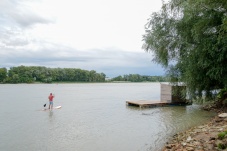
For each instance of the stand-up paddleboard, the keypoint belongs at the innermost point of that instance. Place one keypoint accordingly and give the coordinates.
(56, 107)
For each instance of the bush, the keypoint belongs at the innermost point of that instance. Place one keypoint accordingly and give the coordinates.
(221, 135)
(221, 146)
(222, 93)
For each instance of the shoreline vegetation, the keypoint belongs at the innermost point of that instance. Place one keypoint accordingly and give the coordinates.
(34, 74)
(188, 38)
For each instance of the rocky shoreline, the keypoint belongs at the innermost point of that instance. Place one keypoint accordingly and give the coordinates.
(211, 136)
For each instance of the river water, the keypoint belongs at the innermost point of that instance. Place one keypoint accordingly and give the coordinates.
(93, 117)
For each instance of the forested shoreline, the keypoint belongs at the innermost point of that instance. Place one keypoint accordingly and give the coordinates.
(32, 74)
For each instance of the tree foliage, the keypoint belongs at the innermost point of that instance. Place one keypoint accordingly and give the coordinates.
(189, 38)
(140, 78)
(29, 74)
(3, 74)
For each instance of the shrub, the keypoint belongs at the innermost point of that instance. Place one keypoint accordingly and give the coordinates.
(221, 146)
(221, 135)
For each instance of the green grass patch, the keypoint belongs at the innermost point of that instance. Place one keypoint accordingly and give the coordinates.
(221, 135)
(221, 146)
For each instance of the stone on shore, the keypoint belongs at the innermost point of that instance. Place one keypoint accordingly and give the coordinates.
(206, 137)
(222, 115)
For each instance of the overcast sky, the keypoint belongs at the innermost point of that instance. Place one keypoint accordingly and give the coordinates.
(100, 35)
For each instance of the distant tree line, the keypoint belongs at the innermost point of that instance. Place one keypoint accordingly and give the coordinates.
(30, 74)
(140, 78)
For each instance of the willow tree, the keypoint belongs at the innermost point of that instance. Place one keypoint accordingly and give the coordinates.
(189, 39)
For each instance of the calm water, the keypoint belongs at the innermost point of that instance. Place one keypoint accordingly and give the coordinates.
(93, 117)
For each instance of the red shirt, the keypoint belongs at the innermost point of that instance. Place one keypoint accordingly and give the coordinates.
(51, 97)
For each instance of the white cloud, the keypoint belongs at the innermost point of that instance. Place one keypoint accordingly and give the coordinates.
(17, 14)
(87, 34)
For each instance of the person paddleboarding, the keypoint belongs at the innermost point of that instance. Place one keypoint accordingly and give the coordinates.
(51, 99)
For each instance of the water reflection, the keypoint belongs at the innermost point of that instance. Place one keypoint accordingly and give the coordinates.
(92, 117)
(51, 113)
(168, 120)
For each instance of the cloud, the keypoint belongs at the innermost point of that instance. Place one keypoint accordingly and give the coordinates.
(12, 38)
(112, 62)
(93, 37)
(16, 13)
(16, 18)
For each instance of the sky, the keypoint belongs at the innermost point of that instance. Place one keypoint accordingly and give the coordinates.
(100, 35)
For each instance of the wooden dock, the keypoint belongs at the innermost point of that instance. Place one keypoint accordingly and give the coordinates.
(169, 95)
(145, 103)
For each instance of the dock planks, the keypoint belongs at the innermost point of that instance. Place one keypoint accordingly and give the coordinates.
(145, 103)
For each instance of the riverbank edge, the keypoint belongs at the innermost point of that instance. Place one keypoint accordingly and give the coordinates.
(201, 138)
(78, 82)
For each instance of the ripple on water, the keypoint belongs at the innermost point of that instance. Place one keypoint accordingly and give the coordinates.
(93, 117)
